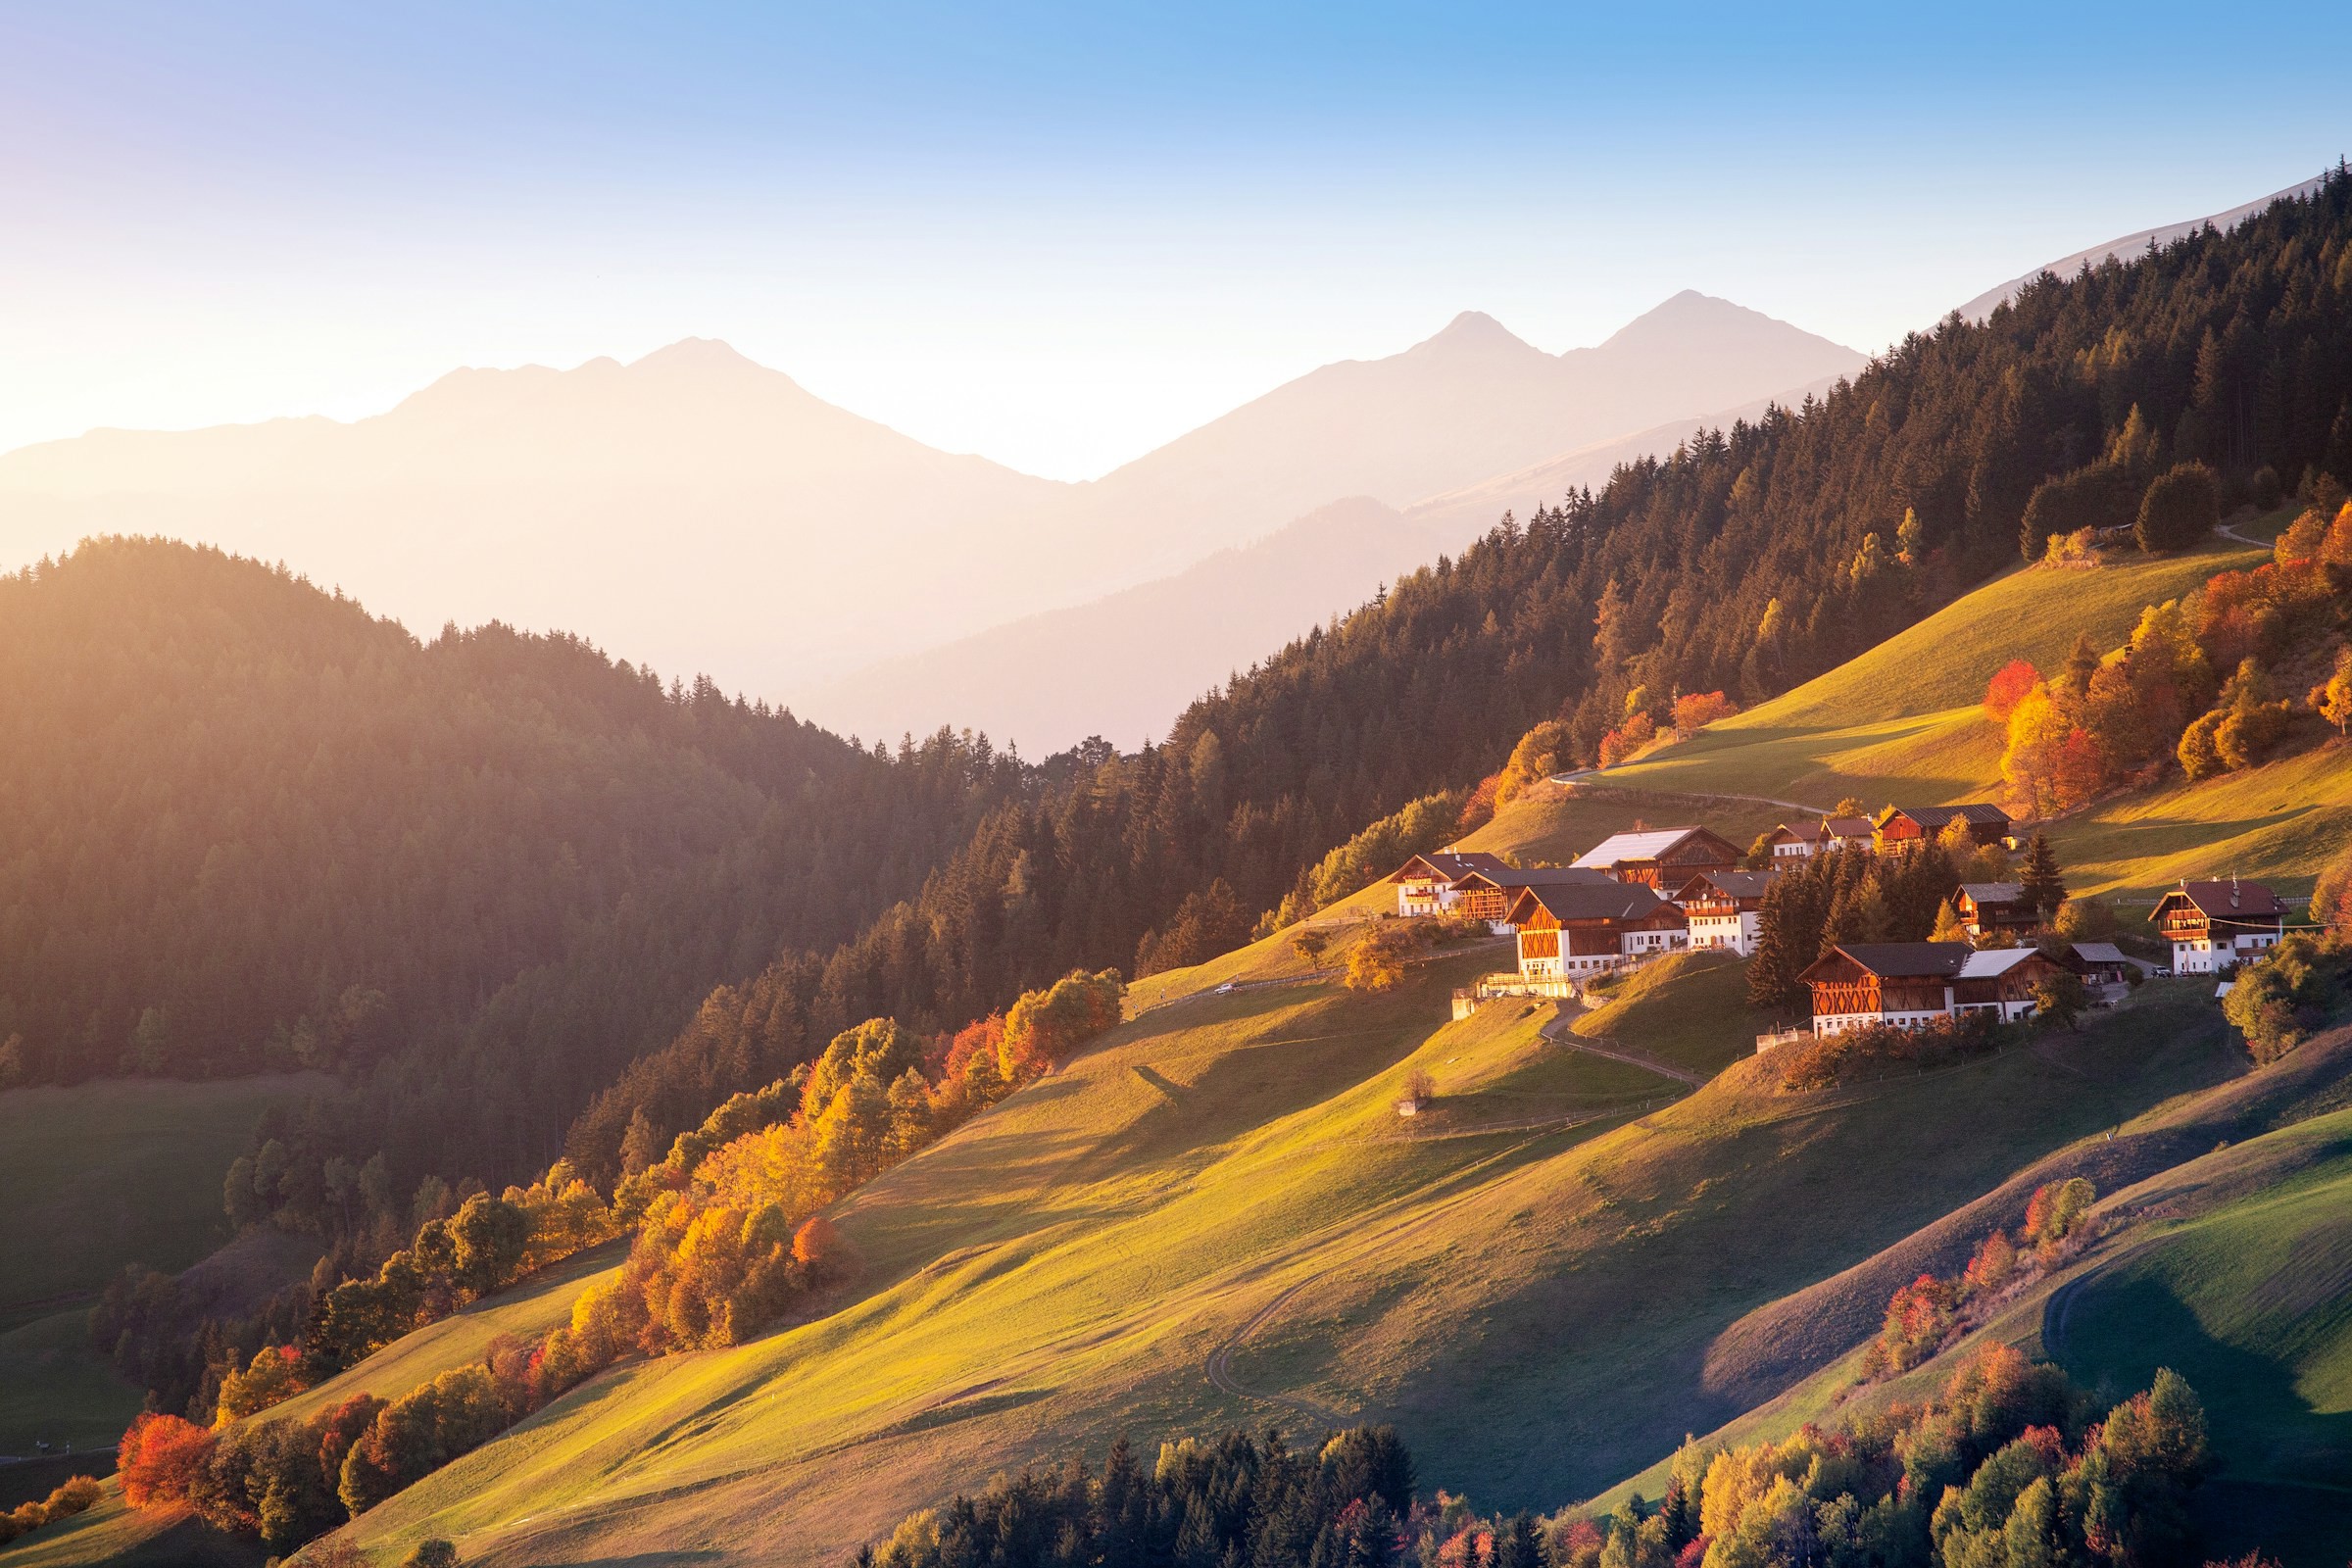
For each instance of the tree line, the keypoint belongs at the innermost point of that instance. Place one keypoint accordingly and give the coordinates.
(2007, 1465)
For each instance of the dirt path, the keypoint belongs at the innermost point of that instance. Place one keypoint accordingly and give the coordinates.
(2227, 532)
(1561, 1032)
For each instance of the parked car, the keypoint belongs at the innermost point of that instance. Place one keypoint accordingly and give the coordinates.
(2161, 973)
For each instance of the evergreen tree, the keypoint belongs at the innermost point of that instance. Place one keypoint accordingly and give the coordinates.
(2044, 886)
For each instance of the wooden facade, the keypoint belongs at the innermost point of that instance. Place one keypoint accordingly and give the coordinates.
(1899, 827)
(2213, 925)
(1661, 858)
(1907, 983)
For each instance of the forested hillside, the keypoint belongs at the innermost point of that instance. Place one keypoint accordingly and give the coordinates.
(1747, 562)
(245, 825)
(496, 868)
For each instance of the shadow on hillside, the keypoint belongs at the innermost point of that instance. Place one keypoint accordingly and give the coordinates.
(2270, 1446)
(2148, 837)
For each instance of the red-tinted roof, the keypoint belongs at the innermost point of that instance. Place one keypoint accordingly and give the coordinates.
(2227, 900)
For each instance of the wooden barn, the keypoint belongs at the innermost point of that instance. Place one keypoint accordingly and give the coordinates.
(1996, 906)
(1900, 825)
(1662, 858)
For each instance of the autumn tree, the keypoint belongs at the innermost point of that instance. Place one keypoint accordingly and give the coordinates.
(2008, 687)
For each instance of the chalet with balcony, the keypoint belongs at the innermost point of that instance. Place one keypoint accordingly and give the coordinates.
(1660, 859)
(1995, 906)
(1898, 826)
(1568, 930)
(1489, 895)
(1908, 985)
(1805, 840)
(1430, 884)
(2213, 925)
(1472, 884)
(1724, 909)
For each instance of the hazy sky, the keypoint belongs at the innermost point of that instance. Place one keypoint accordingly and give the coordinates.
(1057, 235)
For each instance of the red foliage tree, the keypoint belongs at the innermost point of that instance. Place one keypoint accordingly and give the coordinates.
(161, 1459)
(2008, 688)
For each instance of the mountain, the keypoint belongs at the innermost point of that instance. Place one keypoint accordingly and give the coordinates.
(2130, 248)
(1466, 405)
(707, 513)
(1149, 650)
(698, 509)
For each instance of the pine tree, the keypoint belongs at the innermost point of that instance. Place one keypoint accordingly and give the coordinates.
(2045, 884)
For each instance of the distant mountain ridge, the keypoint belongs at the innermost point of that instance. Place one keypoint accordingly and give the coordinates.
(2127, 247)
(1151, 649)
(698, 512)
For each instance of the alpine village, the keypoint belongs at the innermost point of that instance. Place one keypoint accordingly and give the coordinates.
(1788, 1005)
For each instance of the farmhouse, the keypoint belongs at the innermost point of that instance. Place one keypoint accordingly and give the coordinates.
(1660, 857)
(2213, 925)
(1489, 895)
(1568, 929)
(1808, 839)
(1724, 909)
(1995, 906)
(1908, 984)
(1473, 884)
(1430, 884)
(1900, 825)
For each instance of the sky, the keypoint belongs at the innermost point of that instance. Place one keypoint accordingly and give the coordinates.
(1057, 235)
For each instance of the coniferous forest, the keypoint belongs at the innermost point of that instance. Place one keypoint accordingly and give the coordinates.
(515, 896)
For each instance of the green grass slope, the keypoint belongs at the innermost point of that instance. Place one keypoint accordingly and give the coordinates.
(125, 1172)
(1218, 1218)
(2226, 1253)
(1902, 723)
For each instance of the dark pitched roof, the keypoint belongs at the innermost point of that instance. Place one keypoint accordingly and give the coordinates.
(1530, 876)
(2227, 900)
(1939, 817)
(1980, 893)
(2099, 953)
(1452, 864)
(1738, 884)
(1608, 900)
(1847, 827)
(1907, 959)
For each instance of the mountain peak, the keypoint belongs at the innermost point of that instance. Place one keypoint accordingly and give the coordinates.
(697, 354)
(1474, 332)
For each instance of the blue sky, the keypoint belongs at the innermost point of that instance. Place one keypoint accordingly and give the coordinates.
(1057, 235)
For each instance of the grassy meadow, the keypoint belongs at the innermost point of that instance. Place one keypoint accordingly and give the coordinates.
(129, 1172)
(1218, 1218)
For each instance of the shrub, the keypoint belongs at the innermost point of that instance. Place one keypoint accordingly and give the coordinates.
(2180, 508)
(1831, 1059)
(1376, 962)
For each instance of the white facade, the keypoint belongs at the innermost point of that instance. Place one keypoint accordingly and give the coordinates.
(2207, 954)
(1734, 933)
(1838, 1023)
(1632, 946)
(1428, 897)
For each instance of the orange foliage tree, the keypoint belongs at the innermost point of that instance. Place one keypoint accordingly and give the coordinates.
(161, 1459)
(1696, 710)
(2008, 687)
